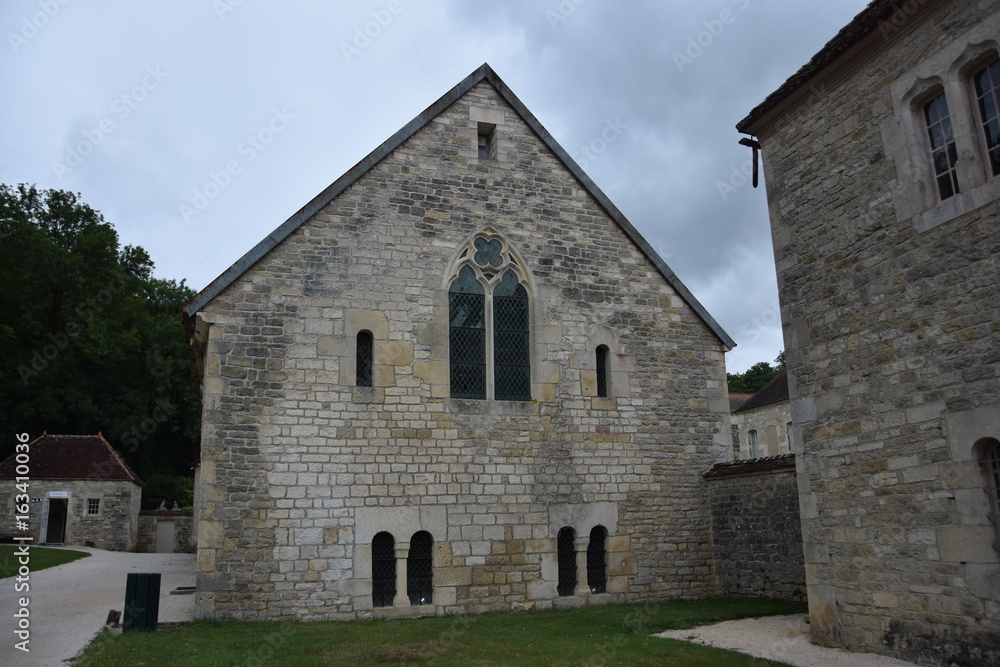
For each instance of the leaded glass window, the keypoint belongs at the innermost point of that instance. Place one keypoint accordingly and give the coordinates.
(489, 331)
(420, 568)
(597, 561)
(511, 365)
(602, 370)
(467, 335)
(383, 570)
(944, 153)
(987, 83)
(363, 366)
(567, 561)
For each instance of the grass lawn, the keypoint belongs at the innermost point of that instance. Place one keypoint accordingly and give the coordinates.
(595, 636)
(40, 557)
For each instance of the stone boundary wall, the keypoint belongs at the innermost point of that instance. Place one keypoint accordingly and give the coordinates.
(756, 531)
(184, 542)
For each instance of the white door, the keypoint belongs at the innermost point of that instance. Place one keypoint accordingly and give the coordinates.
(164, 537)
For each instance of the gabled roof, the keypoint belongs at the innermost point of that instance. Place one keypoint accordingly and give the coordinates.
(71, 457)
(736, 401)
(484, 73)
(870, 18)
(774, 391)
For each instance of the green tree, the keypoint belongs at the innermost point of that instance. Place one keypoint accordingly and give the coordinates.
(93, 342)
(755, 377)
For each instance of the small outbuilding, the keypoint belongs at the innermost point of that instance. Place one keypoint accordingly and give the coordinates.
(79, 491)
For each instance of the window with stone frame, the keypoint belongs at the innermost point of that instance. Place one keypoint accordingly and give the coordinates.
(383, 570)
(754, 448)
(566, 554)
(986, 85)
(420, 569)
(597, 561)
(991, 466)
(489, 337)
(93, 506)
(602, 370)
(944, 152)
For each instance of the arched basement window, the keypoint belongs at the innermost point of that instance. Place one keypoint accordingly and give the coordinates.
(467, 335)
(511, 352)
(602, 370)
(363, 367)
(597, 561)
(383, 570)
(991, 462)
(420, 568)
(567, 561)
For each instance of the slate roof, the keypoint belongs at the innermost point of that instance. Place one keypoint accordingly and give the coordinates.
(71, 457)
(774, 391)
(483, 73)
(750, 466)
(864, 23)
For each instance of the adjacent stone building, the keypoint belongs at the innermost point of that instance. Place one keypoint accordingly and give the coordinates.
(79, 491)
(456, 381)
(881, 158)
(764, 421)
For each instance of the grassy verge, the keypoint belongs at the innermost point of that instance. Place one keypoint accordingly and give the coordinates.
(40, 558)
(605, 635)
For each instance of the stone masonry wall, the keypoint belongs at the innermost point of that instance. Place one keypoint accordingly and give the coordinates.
(890, 307)
(114, 528)
(756, 529)
(301, 468)
(183, 533)
(771, 423)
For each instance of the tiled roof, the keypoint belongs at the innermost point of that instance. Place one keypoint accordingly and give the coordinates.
(864, 23)
(749, 466)
(736, 401)
(71, 457)
(774, 391)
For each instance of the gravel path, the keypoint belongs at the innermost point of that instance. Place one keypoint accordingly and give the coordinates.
(784, 638)
(69, 604)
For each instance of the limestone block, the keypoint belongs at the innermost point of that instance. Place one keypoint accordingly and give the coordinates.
(971, 544)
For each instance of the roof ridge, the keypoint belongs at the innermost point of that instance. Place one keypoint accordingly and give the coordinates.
(483, 73)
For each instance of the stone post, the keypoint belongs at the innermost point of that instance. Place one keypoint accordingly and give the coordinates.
(401, 599)
(582, 587)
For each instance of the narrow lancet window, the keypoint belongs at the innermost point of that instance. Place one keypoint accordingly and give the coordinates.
(420, 568)
(467, 335)
(511, 350)
(383, 570)
(363, 367)
(602, 370)
(567, 561)
(597, 561)
(987, 83)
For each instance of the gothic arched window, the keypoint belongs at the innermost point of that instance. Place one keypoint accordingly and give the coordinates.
(488, 324)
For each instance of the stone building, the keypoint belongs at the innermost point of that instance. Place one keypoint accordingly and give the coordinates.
(881, 158)
(80, 491)
(764, 421)
(456, 381)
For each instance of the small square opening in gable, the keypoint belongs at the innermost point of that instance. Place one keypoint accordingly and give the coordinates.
(487, 141)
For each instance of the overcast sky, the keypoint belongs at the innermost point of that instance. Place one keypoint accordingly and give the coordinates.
(136, 105)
